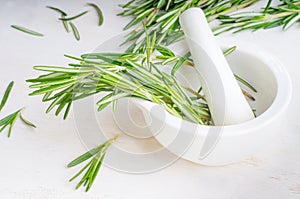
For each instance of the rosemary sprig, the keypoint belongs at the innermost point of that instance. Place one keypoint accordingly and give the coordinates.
(99, 12)
(6, 94)
(285, 15)
(107, 72)
(93, 166)
(10, 120)
(130, 74)
(26, 30)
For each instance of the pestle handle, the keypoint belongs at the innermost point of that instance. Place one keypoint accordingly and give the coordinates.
(225, 99)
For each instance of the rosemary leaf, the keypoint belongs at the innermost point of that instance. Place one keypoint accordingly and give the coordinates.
(67, 110)
(245, 83)
(180, 62)
(6, 94)
(26, 121)
(86, 156)
(74, 17)
(99, 12)
(25, 30)
(229, 50)
(57, 10)
(65, 24)
(75, 31)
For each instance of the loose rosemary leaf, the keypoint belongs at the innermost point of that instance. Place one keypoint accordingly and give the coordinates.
(57, 10)
(74, 17)
(229, 50)
(75, 31)
(65, 24)
(99, 12)
(26, 121)
(6, 94)
(28, 31)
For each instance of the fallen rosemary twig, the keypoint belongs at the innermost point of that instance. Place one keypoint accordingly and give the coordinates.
(28, 31)
(285, 15)
(93, 166)
(11, 119)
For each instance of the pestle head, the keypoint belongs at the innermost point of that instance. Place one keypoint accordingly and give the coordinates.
(225, 99)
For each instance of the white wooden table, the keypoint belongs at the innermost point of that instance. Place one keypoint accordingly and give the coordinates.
(33, 162)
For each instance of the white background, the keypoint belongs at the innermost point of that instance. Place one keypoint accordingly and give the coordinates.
(33, 162)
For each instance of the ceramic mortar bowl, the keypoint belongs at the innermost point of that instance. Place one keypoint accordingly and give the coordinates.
(220, 145)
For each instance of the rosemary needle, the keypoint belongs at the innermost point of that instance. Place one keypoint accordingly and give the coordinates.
(66, 26)
(58, 10)
(75, 31)
(6, 94)
(229, 50)
(26, 121)
(92, 168)
(31, 32)
(99, 12)
(74, 17)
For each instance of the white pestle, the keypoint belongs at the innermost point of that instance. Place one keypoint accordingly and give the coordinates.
(225, 99)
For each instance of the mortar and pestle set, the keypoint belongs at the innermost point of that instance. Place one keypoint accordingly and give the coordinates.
(236, 133)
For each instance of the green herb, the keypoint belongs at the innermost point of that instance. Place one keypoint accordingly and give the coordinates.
(26, 121)
(58, 10)
(99, 12)
(10, 120)
(22, 29)
(74, 17)
(93, 166)
(123, 75)
(75, 31)
(229, 50)
(285, 15)
(63, 16)
(180, 62)
(245, 83)
(6, 94)
(65, 24)
(162, 17)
